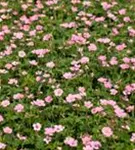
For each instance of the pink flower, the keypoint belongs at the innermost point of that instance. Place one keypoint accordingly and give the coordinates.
(40, 52)
(121, 47)
(95, 144)
(86, 139)
(19, 108)
(86, 35)
(130, 108)
(132, 139)
(119, 112)
(115, 31)
(49, 131)
(58, 92)
(88, 104)
(5, 103)
(33, 62)
(39, 27)
(126, 60)
(68, 25)
(127, 19)
(70, 98)
(104, 40)
(106, 5)
(97, 110)
(77, 39)
(107, 131)
(107, 102)
(38, 78)
(71, 142)
(51, 2)
(113, 61)
(13, 81)
(18, 96)
(124, 66)
(21, 54)
(7, 130)
(92, 47)
(102, 58)
(47, 139)
(8, 66)
(34, 17)
(25, 27)
(47, 37)
(131, 32)
(122, 11)
(112, 16)
(133, 60)
(58, 128)
(75, 1)
(24, 7)
(88, 147)
(2, 145)
(107, 85)
(81, 89)
(68, 75)
(113, 92)
(74, 9)
(37, 126)
(50, 64)
(38, 102)
(48, 99)
(32, 33)
(18, 35)
(84, 60)
(99, 19)
(102, 80)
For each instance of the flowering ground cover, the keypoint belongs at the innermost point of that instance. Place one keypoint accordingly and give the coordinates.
(67, 75)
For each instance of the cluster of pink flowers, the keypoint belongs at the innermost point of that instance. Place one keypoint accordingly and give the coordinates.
(68, 25)
(90, 144)
(50, 131)
(106, 82)
(103, 60)
(66, 74)
(131, 32)
(76, 67)
(104, 40)
(78, 39)
(40, 52)
(74, 97)
(47, 37)
(129, 63)
(51, 2)
(129, 89)
(4, 32)
(107, 6)
(119, 112)
(71, 142)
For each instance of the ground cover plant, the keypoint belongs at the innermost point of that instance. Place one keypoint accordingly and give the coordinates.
(67, 74)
